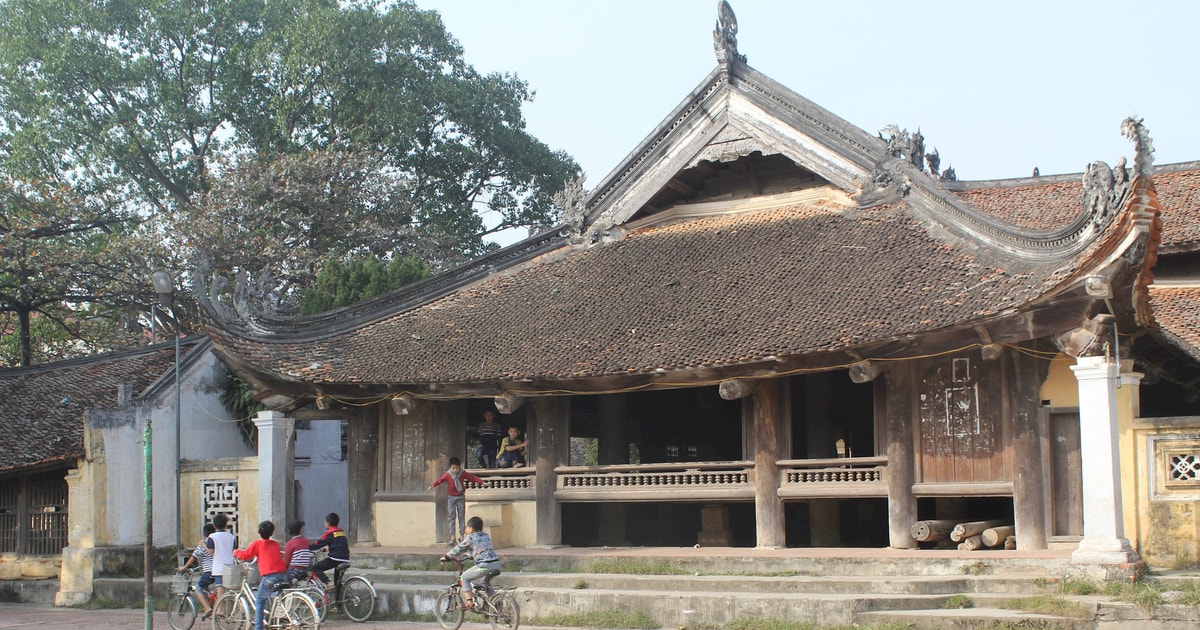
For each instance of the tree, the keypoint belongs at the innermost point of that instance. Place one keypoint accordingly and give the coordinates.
(143, 97)
(66, 271)
(341, 284)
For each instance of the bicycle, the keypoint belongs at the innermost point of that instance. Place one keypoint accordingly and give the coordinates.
(356, 594)
(290, 608)
(181, 607)
(499, 605)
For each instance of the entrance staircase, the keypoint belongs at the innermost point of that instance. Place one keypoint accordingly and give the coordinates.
(714, 588)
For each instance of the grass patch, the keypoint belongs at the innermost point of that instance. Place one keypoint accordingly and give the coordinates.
(101, 603)
(598, 619)
(581, 584)
(1077, 587)
(1145, 594)
(426, 565)
(957, 601)
(1191, 593)
(767, 624)
(1048, 605)
(1028, 624)
(629, 567)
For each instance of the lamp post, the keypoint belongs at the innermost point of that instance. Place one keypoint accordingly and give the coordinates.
(165, 288)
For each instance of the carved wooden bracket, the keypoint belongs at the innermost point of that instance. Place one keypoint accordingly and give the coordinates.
(736, 389)
(508, 403)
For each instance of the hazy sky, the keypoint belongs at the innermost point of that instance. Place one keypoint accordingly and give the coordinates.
(998, 87)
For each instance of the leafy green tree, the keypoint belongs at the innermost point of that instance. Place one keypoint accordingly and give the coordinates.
(142, 97)
(341, 284)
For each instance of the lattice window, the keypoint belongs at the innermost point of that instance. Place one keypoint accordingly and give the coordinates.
(47, 513)
(9, 495)
(1184, 467)
(220, 496)
(33, 514)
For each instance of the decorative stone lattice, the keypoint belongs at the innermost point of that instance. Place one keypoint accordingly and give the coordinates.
(221, 497)
(1184, 467)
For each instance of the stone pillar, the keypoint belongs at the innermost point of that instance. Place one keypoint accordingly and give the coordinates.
(276, 467)
(548, 433)
(613, 448)
(895, 391)
(79, 556)
(1104, 539)
(768, 407)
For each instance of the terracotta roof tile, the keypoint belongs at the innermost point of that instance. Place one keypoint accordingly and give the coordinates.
(1177, 312)
(707, 292)
(41, 420)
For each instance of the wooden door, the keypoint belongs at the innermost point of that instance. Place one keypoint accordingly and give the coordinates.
(1066, 491)
(961, 431)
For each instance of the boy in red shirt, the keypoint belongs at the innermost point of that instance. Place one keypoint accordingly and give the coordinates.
(456, 506)
(270, 565)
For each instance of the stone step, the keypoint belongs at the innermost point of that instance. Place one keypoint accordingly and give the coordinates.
(934, 619)
(736, 561)
(924, 584)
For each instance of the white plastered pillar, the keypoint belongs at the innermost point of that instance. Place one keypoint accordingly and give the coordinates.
(1104, 539)
(276, 467)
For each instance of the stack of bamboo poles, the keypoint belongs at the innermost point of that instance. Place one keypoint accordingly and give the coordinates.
(970, 535)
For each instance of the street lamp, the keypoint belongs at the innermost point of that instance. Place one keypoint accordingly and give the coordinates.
(165, 288)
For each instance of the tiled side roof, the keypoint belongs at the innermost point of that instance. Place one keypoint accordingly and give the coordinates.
(41, 420)
(707, 292)
(1177, 312)
(1036, 206)
(1179, 193)
(1053, 202)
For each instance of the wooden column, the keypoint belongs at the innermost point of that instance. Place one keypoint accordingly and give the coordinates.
(895, 390)
(768, 417)
(613, 448)
(363, 468)
(1029, 488)
(449, 426)
(548, 432)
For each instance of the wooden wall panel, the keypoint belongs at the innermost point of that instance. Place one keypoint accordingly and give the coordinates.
(961, 430)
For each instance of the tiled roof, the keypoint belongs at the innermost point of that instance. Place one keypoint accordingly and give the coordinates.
(715, 291)
(1177, 312)
(41, 420)
(1053, 202)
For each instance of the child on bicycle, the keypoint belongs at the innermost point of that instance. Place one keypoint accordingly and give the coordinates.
(204, 557)
(296, 555)
(339, 547)
(270, 565)
(478, 545)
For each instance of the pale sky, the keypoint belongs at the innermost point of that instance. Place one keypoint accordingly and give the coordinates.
(998, 87)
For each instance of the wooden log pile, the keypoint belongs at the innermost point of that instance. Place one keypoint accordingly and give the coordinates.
(970, 535)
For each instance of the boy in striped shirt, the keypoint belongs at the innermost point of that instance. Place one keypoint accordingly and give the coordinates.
(202, 555)
(296, 554)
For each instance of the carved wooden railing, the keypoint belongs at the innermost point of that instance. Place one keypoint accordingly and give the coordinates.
(840, 477)
(503, 484)
(656, 482)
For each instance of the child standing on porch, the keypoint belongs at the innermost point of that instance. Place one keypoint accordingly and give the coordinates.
(456, 500)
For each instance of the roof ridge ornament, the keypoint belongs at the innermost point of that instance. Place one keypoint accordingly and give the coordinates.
(725, 35)
(1143, 146)
(1105, 190)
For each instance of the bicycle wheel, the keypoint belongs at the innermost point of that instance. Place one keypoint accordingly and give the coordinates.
(448, 610)
(507, 615)
(358, 598)
(230, 612)
(181, 612)
(300, 611)
(320, 598)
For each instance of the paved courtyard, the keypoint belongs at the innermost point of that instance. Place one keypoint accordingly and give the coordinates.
(50, 618)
